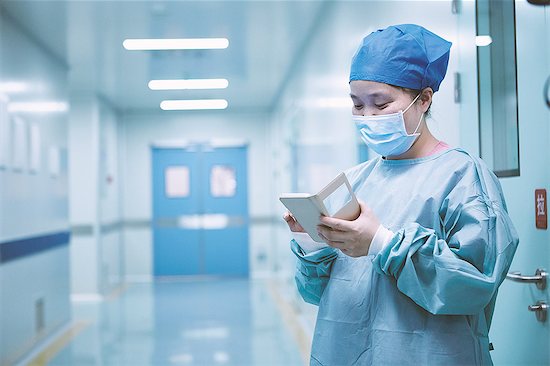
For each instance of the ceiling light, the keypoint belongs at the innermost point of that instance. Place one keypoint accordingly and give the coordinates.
(182, 358)
(188, 84)
(13, 87)
(38, 107)
(334, 102)
(183, 105)
(221, 357)
(175, 44)
(482, 41)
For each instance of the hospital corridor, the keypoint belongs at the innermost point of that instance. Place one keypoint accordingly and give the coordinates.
(274, 182)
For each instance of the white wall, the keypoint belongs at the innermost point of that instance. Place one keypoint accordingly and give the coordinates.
(137, 134)
(112, 265)
(33, 202)
(96, 247)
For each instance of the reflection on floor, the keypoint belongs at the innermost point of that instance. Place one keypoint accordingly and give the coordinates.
(208, 322)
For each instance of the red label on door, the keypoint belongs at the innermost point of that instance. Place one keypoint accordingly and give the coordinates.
(540, 209)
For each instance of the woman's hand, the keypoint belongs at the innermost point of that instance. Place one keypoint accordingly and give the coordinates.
(353, 238)
(293, 225)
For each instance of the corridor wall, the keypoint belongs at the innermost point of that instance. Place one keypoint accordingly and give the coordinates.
(34, 228)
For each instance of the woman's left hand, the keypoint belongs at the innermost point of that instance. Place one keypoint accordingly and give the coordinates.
(353, 238)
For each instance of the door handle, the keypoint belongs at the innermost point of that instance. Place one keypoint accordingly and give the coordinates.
(540, 309)
(539, 2)
(539, 278)
(547, 90)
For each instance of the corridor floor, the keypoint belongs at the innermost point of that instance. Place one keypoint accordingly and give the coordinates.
(201, 322)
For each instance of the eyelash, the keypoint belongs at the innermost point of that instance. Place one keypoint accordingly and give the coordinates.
(379, 106)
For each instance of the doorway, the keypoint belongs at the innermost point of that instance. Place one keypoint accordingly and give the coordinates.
(200, 210)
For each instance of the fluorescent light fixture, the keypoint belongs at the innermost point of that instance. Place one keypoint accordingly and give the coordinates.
(188, 84)
(327, 102)
(221, 357)
(38, 107)
(203, 334)
(482, 41)
(175, 44)
(184, 105)
(182, 358)
(13, 87)
(334, 102)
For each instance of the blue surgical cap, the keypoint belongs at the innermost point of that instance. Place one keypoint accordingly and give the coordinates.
(405, 55)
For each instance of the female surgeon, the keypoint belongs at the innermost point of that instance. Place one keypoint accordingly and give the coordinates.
(413, 280)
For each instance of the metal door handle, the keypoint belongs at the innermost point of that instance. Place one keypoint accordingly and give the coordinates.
(540, 309)
(547, 89)
(539, 2)
(539, 278)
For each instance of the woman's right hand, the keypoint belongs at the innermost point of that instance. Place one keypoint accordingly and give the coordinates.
(293, 225)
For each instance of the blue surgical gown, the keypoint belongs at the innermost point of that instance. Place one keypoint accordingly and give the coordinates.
(427, 297)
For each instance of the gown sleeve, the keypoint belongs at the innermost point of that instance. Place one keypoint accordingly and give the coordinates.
(458, 271)
(312, 271)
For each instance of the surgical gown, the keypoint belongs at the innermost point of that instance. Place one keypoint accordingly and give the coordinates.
(427, 297)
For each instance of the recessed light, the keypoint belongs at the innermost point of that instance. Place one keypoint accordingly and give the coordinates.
(38, 107)
(175, 44)
(188, 84)
(482, 41)
(184, 105)
(13, 87)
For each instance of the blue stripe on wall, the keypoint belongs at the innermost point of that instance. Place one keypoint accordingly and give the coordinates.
(17, 249)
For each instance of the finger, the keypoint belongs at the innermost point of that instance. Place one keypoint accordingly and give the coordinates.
(363, 206)
(336, 244)
(287, 216)
(334, 223)
(334, 235)
(332, 243)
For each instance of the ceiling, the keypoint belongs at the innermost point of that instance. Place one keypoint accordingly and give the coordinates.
(265, 41)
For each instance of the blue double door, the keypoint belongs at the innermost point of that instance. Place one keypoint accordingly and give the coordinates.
(200, 211)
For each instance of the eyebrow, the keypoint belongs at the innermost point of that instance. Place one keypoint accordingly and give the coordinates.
(373, 95)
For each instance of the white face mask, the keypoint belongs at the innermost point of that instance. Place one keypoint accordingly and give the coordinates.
(386, 134)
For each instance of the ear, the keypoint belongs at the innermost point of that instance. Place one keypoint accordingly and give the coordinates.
(426, 99)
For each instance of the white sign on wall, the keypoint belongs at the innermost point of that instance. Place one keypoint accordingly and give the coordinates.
(20, 144)
(4, 132)
(35, 148)
(54, 161)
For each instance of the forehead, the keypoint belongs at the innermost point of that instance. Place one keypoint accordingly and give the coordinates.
(371, 89)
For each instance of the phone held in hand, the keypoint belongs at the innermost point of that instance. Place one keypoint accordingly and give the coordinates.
(336, 199)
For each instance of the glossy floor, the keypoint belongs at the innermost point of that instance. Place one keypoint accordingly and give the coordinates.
(210, 322)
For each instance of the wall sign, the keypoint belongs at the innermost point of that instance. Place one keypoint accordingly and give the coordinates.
(5, 133)
(541, 217)
(20, 145)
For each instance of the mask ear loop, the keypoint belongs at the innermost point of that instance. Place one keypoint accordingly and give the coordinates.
(406, 109)
(419, 122)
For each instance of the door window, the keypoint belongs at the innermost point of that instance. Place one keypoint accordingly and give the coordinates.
(223, 181)
(498, 106)
(176, 182)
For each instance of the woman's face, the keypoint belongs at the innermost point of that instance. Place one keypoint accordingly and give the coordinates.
(373, 98)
